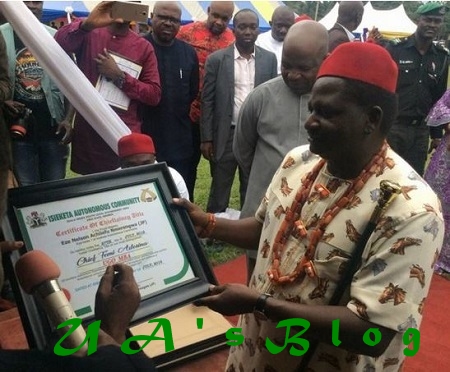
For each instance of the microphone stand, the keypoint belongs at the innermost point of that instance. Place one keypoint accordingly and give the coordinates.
(389, 191)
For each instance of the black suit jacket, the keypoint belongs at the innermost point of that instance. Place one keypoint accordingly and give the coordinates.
(336, 36)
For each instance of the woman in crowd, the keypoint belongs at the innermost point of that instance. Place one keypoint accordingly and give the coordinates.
(438, 175)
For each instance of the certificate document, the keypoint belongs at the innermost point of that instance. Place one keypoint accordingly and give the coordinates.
(112, 94)
(85, 234)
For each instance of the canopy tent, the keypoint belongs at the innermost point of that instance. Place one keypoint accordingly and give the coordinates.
(391, 23)
(57, 9)
(191, 10)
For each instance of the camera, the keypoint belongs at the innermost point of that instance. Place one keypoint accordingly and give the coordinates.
(18, 130)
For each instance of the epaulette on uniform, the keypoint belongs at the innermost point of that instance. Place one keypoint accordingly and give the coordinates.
(398, 40)
(442, 49)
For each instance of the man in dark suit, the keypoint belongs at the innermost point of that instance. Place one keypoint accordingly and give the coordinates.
(169, 123)
(350, 15)
(230, 74)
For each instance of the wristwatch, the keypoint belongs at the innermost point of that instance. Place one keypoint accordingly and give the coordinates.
(260, 307)
(119, 81)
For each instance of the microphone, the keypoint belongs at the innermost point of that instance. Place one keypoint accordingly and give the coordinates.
(37, 274)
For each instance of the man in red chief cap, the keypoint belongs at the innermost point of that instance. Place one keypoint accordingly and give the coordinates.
(116, 302)
(309, 223)
(138, 149)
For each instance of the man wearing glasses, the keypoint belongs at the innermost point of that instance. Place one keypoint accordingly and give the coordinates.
(168, 123)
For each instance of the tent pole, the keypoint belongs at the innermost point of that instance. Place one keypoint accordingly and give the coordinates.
(317, 10)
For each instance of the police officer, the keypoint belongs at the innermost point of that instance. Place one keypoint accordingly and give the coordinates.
(422, 79)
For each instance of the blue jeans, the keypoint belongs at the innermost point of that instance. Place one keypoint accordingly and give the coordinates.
(40, 161)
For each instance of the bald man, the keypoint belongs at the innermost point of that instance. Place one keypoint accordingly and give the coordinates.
(271, 119)
(350, 15)
(206, 37)
(282, 19)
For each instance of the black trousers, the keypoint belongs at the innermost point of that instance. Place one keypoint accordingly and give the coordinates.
(409, 137)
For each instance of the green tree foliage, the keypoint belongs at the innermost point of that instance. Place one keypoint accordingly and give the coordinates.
(311, 8)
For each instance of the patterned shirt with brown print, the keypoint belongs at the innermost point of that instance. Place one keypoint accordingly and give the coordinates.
(390, 287)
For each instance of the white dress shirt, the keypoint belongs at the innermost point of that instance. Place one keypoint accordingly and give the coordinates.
(266, 41)
(244, 81)
(179, 182)
(351, 37)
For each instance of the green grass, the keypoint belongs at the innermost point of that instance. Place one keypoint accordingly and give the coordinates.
(216, 253)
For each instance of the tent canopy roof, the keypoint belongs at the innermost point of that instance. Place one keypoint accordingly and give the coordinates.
(57, 9)
(191, 10)
(393, 21)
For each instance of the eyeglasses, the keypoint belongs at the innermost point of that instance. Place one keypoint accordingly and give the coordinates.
(172, 20)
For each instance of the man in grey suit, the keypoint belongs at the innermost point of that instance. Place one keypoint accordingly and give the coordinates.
(230, 74)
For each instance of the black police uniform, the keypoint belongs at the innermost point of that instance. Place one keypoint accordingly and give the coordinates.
(421, 82)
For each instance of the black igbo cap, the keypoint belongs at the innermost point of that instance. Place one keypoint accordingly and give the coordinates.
(431, 8)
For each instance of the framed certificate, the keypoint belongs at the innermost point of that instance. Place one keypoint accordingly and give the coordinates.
(88, 223)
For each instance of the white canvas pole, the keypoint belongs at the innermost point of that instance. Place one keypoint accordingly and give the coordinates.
(69, 11)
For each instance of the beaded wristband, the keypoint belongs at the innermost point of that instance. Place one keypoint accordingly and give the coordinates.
(209, 227)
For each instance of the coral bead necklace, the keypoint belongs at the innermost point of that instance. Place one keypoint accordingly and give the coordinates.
(293, 225)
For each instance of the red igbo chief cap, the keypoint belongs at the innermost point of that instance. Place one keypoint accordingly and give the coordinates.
(366, 62)
(135, 143)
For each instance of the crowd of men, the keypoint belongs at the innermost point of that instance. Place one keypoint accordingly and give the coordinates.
(253, 103)
(168, 102)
